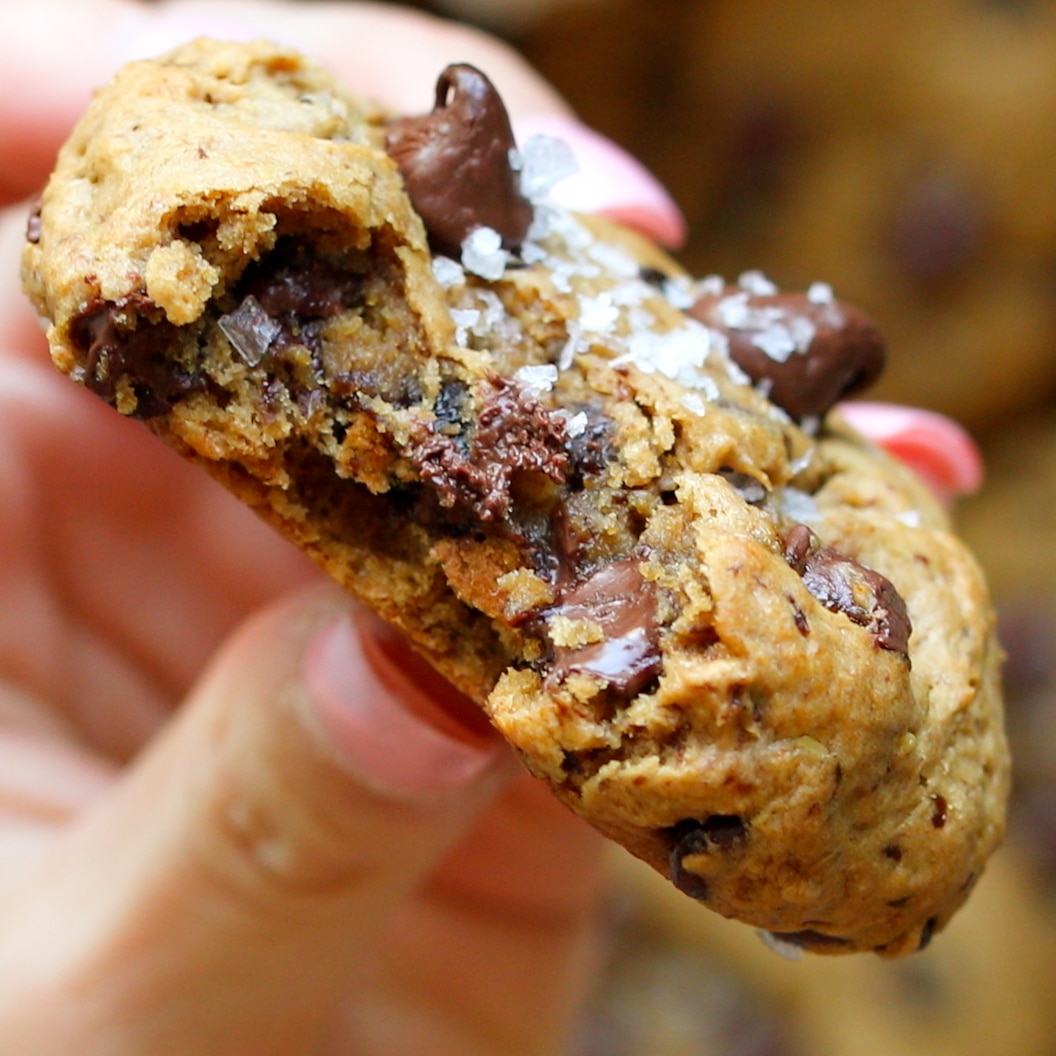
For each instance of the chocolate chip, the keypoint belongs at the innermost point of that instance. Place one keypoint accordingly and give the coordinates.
(940, 812)
(116, 341)
(623, 604)
(716, 834)
(299, 291)
(456, 163)
(844, 585)
(807, 351)
(515, 433)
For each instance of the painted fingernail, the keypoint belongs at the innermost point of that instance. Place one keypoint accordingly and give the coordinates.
(385, 726)
(609, 181)
(937, 448)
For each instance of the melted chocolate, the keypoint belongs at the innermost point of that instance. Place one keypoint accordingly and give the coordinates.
(115, 344)
(298, 292)
(844, 585)
(515, 433)
(623, 604)
(808, 352)
(456, 165)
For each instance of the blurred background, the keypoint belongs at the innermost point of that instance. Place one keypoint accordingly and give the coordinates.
(905, 152)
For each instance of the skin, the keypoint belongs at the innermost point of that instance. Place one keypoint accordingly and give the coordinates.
(235, 816)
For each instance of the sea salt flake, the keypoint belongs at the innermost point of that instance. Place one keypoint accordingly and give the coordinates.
(777, 342)
(693, 402)
(250, 330)
(712, 286)
(910, 518)
(448, 272)
(539, 377)
(820, 293)
(598, 315)
(544, 162)
(483, 255)
(576, 425)
(756, 284)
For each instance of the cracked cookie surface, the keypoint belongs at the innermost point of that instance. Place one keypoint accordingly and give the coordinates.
(724, 629)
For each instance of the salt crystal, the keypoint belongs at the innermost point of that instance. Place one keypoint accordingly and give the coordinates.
(680, 294)
(820, 293)
(250, 330)
(803, 332)
(910, 518)
(757, 284)
(464, 319)
(597, 315)
(692, 402)
(539, 377)
(576, 425)
(712, 286)
(483, 255)
(448, 272)
(544, 162)
(798, 505)
(614, 260)
(776, 342)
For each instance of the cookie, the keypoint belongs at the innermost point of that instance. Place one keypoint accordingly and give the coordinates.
(724, 629)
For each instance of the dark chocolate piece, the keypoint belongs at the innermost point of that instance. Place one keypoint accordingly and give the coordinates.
(456, 163)
(844, 585)
(717, 834)
(806, 351)
(623, 603)
(515, 433)
(299, 291)
(118, 344)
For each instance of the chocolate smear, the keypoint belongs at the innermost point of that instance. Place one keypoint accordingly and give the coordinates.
(456, 163)
(844, 585)
(515, 433)
(623, 604)
(807, 350)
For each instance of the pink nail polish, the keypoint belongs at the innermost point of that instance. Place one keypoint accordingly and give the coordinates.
(383, 725)
(936, 447)
(609, 180)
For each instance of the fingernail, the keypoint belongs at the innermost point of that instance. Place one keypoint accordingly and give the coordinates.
(386, 727)
(936, 447)
(609, 181)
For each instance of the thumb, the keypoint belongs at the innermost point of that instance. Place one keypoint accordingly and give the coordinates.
(221, 899)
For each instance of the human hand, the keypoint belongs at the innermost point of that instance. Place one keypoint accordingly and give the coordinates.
(237, 816)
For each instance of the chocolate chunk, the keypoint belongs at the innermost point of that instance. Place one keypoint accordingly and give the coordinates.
(718, 833)
(115, 344)
(844, 585)
(619, 600)
(456, 163)
(940, 812)
(33, 225)
(807, 351)
(299, 291)
(515, 433)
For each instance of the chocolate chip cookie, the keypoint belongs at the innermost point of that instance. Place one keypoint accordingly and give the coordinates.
(611, 503)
